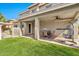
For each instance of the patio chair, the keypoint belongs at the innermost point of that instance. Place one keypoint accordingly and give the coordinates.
(49, 34)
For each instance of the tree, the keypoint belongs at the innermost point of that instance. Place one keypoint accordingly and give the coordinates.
(2, 18)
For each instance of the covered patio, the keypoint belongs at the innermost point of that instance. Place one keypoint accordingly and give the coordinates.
(59, 25)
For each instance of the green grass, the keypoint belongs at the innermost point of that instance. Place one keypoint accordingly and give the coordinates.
(28, 47)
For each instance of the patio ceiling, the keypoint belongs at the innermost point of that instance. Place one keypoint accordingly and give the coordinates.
(63, 16)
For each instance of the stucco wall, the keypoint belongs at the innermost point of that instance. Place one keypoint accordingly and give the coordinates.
(25, 28)
(53, 25)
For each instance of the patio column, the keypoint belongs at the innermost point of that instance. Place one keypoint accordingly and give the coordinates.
(12, 30)
(1, 30)
(75, 36)
(37, 27)
(20, 28)
(25, 28)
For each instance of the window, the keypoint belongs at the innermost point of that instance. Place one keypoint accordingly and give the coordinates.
(49, 5)
(34, 10)
(15, 26)
(22, 25)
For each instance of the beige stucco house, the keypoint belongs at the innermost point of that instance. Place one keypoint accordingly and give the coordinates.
(50, 21)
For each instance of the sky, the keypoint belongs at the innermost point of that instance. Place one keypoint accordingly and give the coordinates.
(12, 10)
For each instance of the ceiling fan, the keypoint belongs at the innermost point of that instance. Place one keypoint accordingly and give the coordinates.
(59, 18)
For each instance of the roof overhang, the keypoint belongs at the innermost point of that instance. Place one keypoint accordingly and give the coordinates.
(44, 11)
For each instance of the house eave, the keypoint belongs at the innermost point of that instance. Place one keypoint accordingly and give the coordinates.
(44, 11)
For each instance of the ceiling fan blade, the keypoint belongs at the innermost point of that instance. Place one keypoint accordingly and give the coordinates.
(57, 17)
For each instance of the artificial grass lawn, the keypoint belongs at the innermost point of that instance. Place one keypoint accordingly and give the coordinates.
(28, 47)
